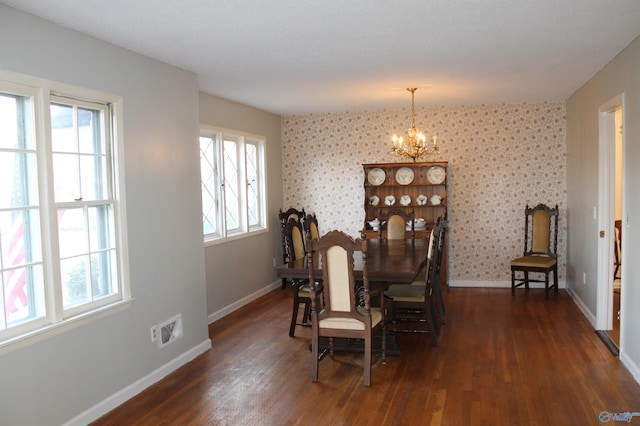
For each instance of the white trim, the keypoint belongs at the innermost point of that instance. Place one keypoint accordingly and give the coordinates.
(245, 300)
(138, 386)
(606, 167)
(627, 361)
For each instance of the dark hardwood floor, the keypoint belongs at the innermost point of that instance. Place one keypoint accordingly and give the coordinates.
(500, 360)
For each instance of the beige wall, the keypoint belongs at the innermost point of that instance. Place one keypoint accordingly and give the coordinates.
(501, 157)
(229, 280)
(620, 76)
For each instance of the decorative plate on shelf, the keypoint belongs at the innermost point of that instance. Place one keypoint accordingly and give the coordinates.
(436, 200)
(389, 200)
(436, 175)
(422, 200)
(376, 176)
(404, 176)
(374, 200)
(405, 200)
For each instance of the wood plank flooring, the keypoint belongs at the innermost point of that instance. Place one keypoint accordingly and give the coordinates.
(500, 360)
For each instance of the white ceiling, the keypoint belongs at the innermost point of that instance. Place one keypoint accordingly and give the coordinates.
(309, 56)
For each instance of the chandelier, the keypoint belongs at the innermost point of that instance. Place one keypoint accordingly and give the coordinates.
(414, 144)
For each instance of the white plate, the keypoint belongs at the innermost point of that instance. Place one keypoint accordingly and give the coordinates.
(436, 175)
(389, 200)
(376, 176)
(436, 200)
(405, 200)
(404, 176)
(422, 200)
(374, 200)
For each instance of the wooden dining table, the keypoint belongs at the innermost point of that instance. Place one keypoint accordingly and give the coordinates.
(388, 261)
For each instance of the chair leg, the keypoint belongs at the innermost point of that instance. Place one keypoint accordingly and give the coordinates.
(526, 280)
(440, 301)
(546, 285)
(513, 282)
(314, 357)
(294, 314)
(367, 361)
(555, 279)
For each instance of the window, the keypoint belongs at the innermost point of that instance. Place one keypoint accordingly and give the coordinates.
(60, 233)
(233, 184)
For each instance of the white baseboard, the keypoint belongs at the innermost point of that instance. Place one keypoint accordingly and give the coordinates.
(135, 388)
(245, 300)
(631, 366)
(583, 307)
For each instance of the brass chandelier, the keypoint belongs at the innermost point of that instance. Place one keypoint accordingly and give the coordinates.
(414, 144)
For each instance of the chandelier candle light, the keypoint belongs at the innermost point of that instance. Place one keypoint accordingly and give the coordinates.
(414, 145)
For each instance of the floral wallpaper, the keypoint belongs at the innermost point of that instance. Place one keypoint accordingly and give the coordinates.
(501, 157)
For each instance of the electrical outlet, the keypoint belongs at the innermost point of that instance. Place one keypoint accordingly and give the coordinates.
(154, 333)
(584, 278)
(274, 262)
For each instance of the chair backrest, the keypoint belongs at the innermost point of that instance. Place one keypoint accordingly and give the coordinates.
(541, 231)
(443, 229)
(310, 225)
(395, 223)
(336, 251)
(290, 213)
(293, 240)
(284, 217)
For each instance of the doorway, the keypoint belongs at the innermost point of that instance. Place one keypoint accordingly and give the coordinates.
(611, 207)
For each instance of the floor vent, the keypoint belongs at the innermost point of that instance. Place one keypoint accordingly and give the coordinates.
(606, 339)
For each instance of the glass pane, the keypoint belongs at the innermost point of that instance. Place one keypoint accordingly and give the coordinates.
(93, 177)
(231, 190)
(66, 177)
(101, 229)
(71, 232)
(102, 274)
(252, 184)
(75, 281)
(16, 122)
(18, 179)
(24, 294)
(209, 186)
(63, 133)
(20, 238)
(90, 132)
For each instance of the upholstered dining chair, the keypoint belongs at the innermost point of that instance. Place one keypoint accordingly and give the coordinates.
(283, 217)
(416, 302)
(395, 223)
(294, 249)
(540, 248)
(310, 225)
(617, 249)
(341, 317)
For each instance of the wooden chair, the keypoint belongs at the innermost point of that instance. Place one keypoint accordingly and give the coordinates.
(340, 317)
(437, 281)
(310, 225)
(284, 217)
(540, 248)
(395, 223)
(617, 250)
(294, 249)
(415, 303)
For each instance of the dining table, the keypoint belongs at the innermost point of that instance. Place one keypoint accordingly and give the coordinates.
(388, 262)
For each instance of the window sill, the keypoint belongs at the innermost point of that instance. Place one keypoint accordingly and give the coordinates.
(48, 331)
(213, 242)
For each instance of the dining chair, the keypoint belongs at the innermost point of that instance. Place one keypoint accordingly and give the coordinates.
(310, 225)
(415, 302)
(395, 223)
(283, 217)
(540, 249)
(340, 316)
(617, 249)
(294, 249)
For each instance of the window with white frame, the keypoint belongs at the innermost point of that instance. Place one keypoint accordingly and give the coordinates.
(233, 184)
(60, 231)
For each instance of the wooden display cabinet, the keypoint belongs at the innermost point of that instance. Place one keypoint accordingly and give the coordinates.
(413, 185)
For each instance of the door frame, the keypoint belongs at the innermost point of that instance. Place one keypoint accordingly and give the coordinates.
(606, 207)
